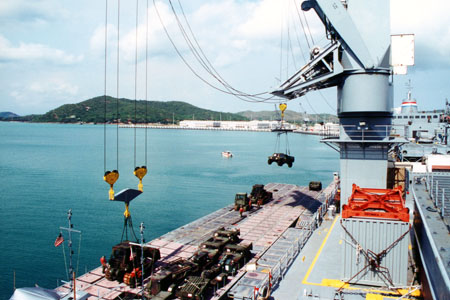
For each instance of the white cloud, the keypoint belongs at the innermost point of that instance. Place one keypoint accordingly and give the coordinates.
(43, 95)
(429, 22)
(32, 11)
(97, 40)
(54, 87)
(31, 51)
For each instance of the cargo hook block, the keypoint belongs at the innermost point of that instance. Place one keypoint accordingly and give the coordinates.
(126, 196)
(140, 172)
(111, 177)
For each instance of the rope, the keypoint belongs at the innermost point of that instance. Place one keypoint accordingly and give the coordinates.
(369, 260)
(303, 27)
(135, 79)
(106, 54)
(281, 46)
(201, 57)
(309, 30)
(65, 259)
(238, 95)
(146, 85)
(79, 251)
(117, 83)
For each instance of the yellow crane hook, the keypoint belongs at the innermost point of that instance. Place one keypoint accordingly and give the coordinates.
(140, 172)
(282, 107)
(111, 177)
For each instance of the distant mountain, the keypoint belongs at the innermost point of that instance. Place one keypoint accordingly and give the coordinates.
(289, 115)
(93, 110)
(7, 115)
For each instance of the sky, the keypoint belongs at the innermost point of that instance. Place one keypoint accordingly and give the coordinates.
(52, 52)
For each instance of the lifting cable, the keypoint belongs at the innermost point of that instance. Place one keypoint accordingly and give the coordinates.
(239, 95)
(200, 55)
(139, 172)
(281, 130)
(111, 176)
(146, 85)
(104, 89)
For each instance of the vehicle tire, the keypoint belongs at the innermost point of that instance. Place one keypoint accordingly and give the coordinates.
(269, 162)
(265, 294)
(280, 163)
(289, 165)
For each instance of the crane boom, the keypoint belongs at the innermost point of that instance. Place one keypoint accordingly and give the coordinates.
(357, 62)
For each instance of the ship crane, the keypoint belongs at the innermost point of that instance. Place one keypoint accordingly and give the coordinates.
(357, 62)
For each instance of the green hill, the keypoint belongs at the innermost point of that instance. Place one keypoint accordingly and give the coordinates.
(7, 115)
(92, 110)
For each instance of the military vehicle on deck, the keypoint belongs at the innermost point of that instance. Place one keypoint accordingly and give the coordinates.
(234, 257)
(124, 264)
(315, 186)
(164, 283)
(241, 200)
(259, 195)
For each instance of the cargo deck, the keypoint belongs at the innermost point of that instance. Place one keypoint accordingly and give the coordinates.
(291, 205)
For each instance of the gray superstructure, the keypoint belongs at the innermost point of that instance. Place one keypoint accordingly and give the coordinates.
(425, 131)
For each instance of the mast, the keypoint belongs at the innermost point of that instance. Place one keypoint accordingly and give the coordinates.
(69, 244)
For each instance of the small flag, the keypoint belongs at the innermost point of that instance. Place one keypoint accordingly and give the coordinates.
(59, 240)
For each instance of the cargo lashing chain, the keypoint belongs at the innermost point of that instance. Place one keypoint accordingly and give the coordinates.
(373, 259)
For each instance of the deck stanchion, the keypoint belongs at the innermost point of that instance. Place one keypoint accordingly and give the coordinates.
(443, 202)
(437, 190)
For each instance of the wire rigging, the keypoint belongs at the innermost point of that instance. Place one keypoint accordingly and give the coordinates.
(139, 172)
(303, 27)
(135, 79)
(104, 91)
(117, 82)
(307, 25)
(146, 84)
(240, 95)
(111, 177)
(202, 58)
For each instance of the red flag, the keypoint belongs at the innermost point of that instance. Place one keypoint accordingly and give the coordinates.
(59, 240)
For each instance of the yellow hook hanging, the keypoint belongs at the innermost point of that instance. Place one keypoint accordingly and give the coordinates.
(126, 212)
(282, 107)
(111, 178)
(140, 172)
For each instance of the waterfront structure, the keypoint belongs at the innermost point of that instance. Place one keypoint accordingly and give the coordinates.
(253, 125)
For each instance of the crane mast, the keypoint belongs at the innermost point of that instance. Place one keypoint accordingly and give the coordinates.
(357, 62)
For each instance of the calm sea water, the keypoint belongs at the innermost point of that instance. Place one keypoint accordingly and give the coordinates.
(46, 169)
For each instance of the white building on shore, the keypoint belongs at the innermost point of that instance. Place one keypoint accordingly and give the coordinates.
(253, 125)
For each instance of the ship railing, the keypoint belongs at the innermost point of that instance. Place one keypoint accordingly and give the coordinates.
(438, 185)
(363, 133)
